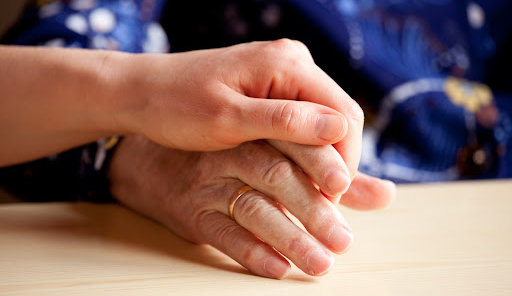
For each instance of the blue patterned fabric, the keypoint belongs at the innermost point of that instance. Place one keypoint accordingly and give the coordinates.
(438, 119)
(434, 75)
(126, 25)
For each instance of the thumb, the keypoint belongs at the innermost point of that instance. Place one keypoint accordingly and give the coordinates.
(294, 121)
(369, 193)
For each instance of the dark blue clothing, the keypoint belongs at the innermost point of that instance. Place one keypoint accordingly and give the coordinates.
(434, 76)
(438, 116)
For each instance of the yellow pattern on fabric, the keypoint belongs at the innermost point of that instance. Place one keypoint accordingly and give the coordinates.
(470, 95)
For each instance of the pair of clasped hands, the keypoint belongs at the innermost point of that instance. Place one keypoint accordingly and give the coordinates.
(194, 124)
(227, 99)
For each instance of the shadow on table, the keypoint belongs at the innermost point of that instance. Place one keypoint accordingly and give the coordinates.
(114, 224)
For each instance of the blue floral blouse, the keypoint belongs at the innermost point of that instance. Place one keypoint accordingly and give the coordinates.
(433, 76)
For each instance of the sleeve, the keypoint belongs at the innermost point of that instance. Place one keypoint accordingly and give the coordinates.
(77, 174)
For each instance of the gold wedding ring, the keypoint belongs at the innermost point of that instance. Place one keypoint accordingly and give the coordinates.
(239, 193)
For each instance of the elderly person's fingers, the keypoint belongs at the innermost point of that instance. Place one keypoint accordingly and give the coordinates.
(191, 194)
(369, 193)
(238, 243)
(327, 169)
(262, 216)
(279, 178)
(323, 164)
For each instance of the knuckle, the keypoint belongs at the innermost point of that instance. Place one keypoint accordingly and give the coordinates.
(299, 245)
(251, 254)
(318, 219)
(213, 231)
(252, 206)
(286, 118)
(287, 44)
(278, 173)
(357, 112)
(226, 232)
(302, 48)
(283, 44)
(287, 48)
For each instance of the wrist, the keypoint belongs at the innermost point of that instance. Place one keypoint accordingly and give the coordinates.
(127, 89)
(140, 88)
(113, 88)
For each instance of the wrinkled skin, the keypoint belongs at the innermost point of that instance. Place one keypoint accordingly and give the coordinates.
(189, 193)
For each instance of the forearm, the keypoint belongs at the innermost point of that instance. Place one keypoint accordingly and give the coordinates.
(52, 100)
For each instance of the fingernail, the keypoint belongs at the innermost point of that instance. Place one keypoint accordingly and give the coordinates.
(340, 238)
(331, 127)
(276, 267)
(337, 182)
(319, 262)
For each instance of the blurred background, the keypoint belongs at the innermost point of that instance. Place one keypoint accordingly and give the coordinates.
(434, 77)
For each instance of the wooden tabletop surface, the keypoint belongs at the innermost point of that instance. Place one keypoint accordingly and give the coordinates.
(438, 239)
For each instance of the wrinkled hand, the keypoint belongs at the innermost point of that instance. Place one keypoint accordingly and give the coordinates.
(189, 192)
(216, 99)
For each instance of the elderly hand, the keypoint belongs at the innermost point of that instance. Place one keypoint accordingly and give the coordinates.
(190, 192)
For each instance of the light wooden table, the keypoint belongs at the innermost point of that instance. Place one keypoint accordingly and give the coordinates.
(453, 239)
